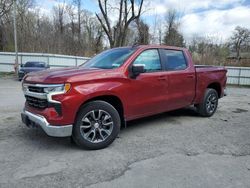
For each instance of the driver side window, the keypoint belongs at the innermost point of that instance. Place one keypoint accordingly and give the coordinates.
(150, 59)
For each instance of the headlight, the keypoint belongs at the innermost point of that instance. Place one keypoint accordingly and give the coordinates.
(57, 89)
(24, 87)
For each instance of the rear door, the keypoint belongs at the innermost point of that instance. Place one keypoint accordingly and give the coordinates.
(181, 78)
(147, 91)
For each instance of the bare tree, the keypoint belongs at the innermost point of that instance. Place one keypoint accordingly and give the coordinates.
(78, 4)
(129, 10)
(25, 23)
(61, 12)
(143, 32)
(37, 32)
(71, 15)
(93, 33)
(5, 6)
(240, 36)
(205, 51)
(59, 22)
(172, 36)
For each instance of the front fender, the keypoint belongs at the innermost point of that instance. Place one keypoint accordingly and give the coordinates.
(85, 92)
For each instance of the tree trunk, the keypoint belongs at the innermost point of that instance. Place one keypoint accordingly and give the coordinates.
(238, 54)
(1, 37)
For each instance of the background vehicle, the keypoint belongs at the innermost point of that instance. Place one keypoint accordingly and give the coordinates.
(31, 66)
(91, 102)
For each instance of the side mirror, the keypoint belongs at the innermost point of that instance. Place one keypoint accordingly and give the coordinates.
(21, 65)
(137, 69)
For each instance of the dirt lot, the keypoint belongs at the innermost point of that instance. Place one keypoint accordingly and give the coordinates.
(177, 149)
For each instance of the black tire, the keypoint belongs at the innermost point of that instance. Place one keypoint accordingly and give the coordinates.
(103, 109)
(208, 108)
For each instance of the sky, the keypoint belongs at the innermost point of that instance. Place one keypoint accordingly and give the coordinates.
(198, 18)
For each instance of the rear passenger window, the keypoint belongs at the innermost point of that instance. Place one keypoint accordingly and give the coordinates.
(150, 59)
(174, 60)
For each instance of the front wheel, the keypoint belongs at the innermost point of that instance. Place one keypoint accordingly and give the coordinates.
(209, 104)
(96, 126)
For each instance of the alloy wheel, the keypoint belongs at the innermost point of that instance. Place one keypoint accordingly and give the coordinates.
(211, 103)
(97, 126)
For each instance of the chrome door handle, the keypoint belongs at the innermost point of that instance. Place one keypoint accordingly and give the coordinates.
(190, 76)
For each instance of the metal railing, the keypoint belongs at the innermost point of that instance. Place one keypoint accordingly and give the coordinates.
(238, 75)
(7, 60)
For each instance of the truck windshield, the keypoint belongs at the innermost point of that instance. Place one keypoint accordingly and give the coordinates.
(109, 59)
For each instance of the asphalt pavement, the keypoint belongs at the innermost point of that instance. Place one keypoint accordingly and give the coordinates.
(174, 149)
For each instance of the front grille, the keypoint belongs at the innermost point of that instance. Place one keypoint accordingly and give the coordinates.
(36, 102)
(36, 89)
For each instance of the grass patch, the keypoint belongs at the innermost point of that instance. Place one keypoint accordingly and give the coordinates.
(7, 74)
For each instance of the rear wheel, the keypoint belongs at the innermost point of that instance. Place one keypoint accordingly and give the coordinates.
(97, 125)
(209, 104)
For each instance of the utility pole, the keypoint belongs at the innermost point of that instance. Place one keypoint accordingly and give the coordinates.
(16, 66)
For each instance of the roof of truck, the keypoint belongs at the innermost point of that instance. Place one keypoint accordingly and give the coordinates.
(153, 46)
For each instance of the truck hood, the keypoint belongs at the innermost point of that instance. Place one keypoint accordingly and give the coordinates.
(63, 75)
(31, 69)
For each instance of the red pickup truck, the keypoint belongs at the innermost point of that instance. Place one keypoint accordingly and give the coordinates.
(92, 101)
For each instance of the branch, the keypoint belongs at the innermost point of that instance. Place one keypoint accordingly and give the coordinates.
(133, 16)
(104, 27)
(104, 13)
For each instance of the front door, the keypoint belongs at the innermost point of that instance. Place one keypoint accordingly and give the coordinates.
(147, 92)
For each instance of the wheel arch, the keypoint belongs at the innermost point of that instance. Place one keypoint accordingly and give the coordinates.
(216, 86)
(115, 101)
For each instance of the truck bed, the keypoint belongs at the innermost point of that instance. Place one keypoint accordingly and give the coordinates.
(205, 68)
(208, 74)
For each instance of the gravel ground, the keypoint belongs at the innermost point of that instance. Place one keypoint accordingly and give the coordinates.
(175, 149)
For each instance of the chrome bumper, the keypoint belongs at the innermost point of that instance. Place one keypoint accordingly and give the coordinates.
(31, 119)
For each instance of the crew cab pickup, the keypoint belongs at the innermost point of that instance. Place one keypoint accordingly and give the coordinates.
(92, 101)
